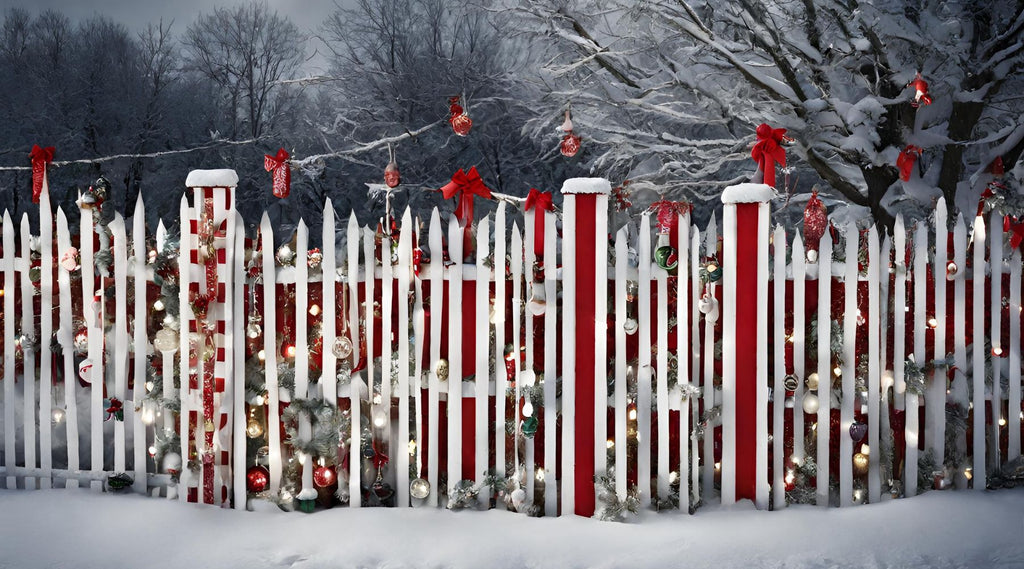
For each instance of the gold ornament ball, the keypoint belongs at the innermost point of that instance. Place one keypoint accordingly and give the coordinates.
(441, 369)
(254, 428)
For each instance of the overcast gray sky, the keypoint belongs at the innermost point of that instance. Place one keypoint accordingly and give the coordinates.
(307, 14)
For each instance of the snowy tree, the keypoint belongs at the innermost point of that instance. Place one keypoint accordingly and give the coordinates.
(672, 91)
(247, 50)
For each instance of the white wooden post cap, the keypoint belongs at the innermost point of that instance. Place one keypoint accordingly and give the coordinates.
(577, 186)
(224, 178)
(748, 193)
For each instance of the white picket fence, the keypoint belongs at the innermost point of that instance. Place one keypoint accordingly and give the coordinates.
(640, 402)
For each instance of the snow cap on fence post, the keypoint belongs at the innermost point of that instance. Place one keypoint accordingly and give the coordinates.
(584, 223)
(745, 343)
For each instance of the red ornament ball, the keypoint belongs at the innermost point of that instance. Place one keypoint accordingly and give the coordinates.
(257, 478)
(570, 145)
(323, 476)
(461, 123)
(815, 222)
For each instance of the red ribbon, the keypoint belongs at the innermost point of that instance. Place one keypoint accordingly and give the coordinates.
(465, 185)
(905, 161)
(278, 164)
(539, 202)
(768, 151)
(40, 158)
(668, 217)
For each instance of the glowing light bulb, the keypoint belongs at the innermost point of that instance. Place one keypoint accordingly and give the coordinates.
(610, 444)
(152, 451)
(632, 414)
(1002, 421)
(262, 355)
(527, 409)
(540, 475)
(314, 310)
(158, 305)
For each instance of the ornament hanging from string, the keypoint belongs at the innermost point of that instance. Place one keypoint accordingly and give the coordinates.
(460, 121)
(921, 96)
(815, 222)
(282, 173)
(392, 177)
(40, 158)
(570, 142)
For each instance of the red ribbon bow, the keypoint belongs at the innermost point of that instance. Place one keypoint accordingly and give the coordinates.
(668, 217)
(40, 158)
(921, 96)
(282, 172)
(465, 185)
(768, 151)
(905, 161)
(115, 410)
(539, 202)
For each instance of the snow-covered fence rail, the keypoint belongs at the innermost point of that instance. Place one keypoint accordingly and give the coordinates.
(420, 364)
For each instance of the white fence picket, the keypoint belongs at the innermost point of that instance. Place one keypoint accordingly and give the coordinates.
(935, 394)
(482, 343)
(695, 370)
(848, 395)
(9, 295)
(119, 355)
(568, 345)
(874, 325)
(798, 337)
(778, 389)
(601, 341)
(711, 396)
(978, 333)
(899, 321)
(912, 429)
(500, 374)
(140, 345)
(45, 333)
(28, 331)
(682, 350)
(530, 365)
(65, 336)
(516, 267)
(661, 384)
(352, 242)
(437, 309)
(957, 390)
(644, 369)
(824, 371)
(329, 307)
(235, 328)
(404, 269)
(269, 354)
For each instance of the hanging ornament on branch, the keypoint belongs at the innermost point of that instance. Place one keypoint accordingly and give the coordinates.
(570, 142)
(906, 160)
(815, 222)
(282, 173)
(460, 121)
(768, 152)
(40, 158)
(391, 175)
(921, 96)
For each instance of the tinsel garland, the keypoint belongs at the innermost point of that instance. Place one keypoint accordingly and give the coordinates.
(328, 422)
(610, 507)
(463, 495)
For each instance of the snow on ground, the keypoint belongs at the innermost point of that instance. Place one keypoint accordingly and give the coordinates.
(79, 529)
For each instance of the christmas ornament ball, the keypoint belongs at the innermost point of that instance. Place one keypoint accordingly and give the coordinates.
(342, 347)
(171, 463)
(419, 488)
(441, 369)
(257, 478)
(631, 326)
(791, 382)
(810, 403)
(812, 381)
(323, 476)
(858, 430)
(166, 340)
(666, 257)
(253, 428)
(530, 425)
(860, 463)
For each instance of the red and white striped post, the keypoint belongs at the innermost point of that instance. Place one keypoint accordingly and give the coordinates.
(745, 343)
(584, 242)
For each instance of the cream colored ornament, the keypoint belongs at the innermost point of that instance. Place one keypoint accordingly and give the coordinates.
(441, 369)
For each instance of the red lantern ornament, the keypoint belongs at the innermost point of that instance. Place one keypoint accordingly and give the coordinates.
(460, 121)
(570, 142)
(921, 96)
(282, 173)
(391, 175)
(257, 479)
(906, 160)
(815, 222)
(323, 476)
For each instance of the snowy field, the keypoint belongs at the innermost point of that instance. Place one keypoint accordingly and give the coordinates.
(78, 529)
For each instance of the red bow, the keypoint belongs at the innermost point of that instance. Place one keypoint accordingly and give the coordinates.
(539, 202)
(115, 410)
(921, 96)
(905, 161)
(668, 217)
(282, 172)
(768, 151)
(465, 185)
(40, 158)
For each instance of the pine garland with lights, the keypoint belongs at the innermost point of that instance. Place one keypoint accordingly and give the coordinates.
(610, 507)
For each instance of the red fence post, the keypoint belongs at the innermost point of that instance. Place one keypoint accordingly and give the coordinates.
(745, 343)
(585, 221)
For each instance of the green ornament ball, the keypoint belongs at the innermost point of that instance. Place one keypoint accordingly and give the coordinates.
(666, 257)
